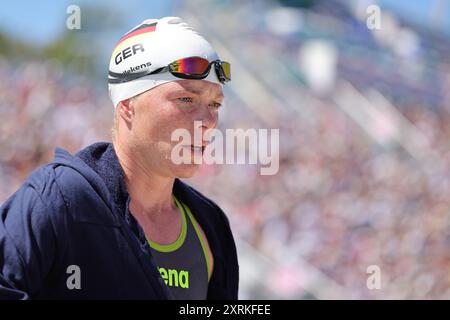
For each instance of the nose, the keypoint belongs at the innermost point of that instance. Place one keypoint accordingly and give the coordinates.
(209, 118)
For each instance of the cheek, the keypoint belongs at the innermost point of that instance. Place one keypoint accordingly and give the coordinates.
(165, 122)
(180, 116)
(146, 126)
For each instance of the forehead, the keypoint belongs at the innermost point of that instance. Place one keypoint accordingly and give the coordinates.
(195, 86)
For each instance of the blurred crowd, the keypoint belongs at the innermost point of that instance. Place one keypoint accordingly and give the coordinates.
(344, 200)
(341, 201)
(41, 108)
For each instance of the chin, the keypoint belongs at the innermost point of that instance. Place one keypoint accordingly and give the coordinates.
(185, 171)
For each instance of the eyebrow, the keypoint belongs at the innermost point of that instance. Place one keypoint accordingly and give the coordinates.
(193, 91)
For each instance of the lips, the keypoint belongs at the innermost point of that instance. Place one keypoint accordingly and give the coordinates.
(198, 148)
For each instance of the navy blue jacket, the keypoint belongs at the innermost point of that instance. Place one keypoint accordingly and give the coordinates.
(73, 211)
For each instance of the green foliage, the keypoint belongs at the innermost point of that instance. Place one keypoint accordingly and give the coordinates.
(16, 50)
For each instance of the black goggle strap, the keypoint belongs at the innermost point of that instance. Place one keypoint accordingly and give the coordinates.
(121, 77)
(219, 71)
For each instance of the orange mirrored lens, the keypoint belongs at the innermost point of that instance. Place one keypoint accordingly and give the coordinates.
(194, 66)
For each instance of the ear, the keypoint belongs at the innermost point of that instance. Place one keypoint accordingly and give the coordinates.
(125, 108)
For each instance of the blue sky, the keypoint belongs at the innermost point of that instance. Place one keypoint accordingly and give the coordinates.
(422, 11)
(42, 21)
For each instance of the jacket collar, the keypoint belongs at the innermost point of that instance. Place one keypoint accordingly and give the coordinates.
(100, 159)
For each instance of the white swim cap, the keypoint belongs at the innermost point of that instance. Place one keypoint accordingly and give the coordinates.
(151, 45)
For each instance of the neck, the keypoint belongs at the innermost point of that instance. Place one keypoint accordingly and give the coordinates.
(150, 193)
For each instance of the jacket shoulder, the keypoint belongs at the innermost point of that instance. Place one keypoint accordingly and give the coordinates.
(42, 183)
(86, 198)
(199, 198)
(69, 195)
(35, 208)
